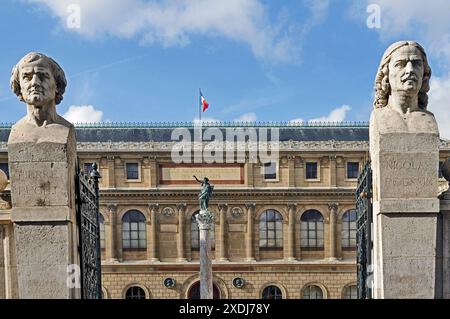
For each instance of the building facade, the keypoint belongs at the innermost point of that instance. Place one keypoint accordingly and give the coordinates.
(284, 228)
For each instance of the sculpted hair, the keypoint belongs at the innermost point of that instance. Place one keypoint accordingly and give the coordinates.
(382, 85)
(56, 70)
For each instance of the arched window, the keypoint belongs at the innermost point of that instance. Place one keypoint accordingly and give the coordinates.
(195, 233)
(272, 292)
(312, 292)
(271, 229)
(101, 221)
(135, 292)
(194, 291)
(311, 230)
(348, 234)
(350, 292)
(133, 230)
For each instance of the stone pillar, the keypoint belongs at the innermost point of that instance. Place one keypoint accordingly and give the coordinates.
(333, 217)
(405, 208)
(290, 251)
(249, 239)
(153, 172)
(249, 174)
(180, 241)
(222, 241)
(205, 220)
(151, 242)
(291, 171)
(111, 172)
(333, 171)
(111, 253)
(42, 167)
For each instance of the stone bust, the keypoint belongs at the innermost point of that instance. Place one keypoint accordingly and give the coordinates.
(39, 82)
(401, 86)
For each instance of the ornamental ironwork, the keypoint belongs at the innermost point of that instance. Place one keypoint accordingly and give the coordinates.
(363, 233)
(87, 196)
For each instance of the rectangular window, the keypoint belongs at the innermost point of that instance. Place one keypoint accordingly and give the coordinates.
(87, 168)
(352, 169)
(311, 170)
(4, 168)
(132, 171)
(440, 169)
(270, 170)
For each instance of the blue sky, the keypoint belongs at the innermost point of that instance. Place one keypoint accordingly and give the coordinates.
(136, 60)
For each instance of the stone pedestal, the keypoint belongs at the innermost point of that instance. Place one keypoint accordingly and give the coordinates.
(42, 169)
(205, 220)
(405, 158)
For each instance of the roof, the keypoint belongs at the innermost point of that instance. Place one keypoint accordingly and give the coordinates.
(162, 132)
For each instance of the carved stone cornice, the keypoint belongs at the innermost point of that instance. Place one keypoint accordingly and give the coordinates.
(283, 146)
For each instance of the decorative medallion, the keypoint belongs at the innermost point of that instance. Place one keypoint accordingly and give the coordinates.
(168, 212)
(236, 212)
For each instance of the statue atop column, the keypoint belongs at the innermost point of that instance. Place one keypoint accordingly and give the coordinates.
(404, 153)
(205, 221)
(42, 161)
(205, 193)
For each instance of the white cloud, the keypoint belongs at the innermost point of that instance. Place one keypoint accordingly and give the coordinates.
(247, 117)
(428, 20)
(439, 103)
(173, 22)
(337, 115)
(83, 114)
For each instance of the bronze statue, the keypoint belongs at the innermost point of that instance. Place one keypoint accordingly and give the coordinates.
(205, 193)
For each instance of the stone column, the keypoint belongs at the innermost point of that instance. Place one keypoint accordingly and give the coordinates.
(249, 239)
(111, 172)
(290, 251)
(291, 171)
(151, 242)
(180, 242)
(205, 220)
(119, 242)
(333, 216)
(333, 171)
(110, 243)
(222, 241)
(42, 167)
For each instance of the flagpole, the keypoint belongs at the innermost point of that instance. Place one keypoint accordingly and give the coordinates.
(200, 105)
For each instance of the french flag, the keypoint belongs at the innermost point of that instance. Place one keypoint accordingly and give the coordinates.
(204, 104)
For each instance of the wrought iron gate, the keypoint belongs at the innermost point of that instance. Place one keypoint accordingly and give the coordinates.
(363, 234)
(86, 184)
